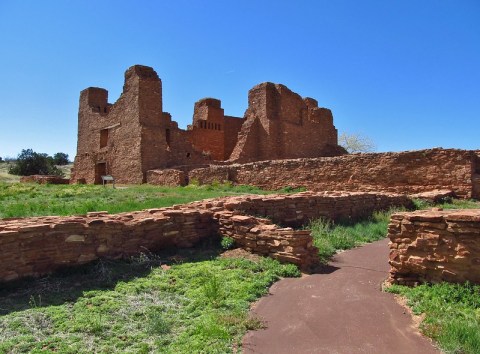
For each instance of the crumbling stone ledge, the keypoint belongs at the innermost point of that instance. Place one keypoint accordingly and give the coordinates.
(45, 179)
(434, 246)
(40, 245)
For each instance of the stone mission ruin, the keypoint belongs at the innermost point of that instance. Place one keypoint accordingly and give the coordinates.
(134, 135)
(282, 140)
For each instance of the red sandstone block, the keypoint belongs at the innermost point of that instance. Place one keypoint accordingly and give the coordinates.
(241, 218)
(465, 215)
(35, 228)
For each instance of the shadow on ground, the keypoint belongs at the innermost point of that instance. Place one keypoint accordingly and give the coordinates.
(68, 284)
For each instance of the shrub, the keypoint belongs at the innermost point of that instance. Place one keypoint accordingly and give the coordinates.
(31, 163)
(60, 158)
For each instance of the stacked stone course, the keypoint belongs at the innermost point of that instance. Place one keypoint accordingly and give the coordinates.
(434, 246)
(44, 179)
(261, 237)
(40, 245)
(167, 177)
(403, 172)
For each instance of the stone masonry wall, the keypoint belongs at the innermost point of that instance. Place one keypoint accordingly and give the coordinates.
(44, 179)
(281, 124)
(298, 209)
(402, 172)
(435, 245)
(167, 177)
(133, 135)
(36, 246)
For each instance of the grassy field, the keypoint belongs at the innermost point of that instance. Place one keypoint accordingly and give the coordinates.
(31, 199)
(190, 301)
(198, 306)
(5, 176)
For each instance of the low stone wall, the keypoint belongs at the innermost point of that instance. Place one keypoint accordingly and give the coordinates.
(261, 237)
(167, 177)
(297, 209)
(44, 179)
(403, 172)
(434, 246)
(36, 246)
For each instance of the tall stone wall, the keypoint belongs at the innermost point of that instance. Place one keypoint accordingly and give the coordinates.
(280, 124)
(208, 129)
(233, 125)
(404, 172)
(133, 135)
(112, 139)
(434, 246)
(36, 246)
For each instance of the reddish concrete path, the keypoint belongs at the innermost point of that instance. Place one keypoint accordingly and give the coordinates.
(340, 312)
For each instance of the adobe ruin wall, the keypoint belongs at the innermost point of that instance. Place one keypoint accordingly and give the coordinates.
(407, 172)
(434, 246)
(37, 246)
(133, 135)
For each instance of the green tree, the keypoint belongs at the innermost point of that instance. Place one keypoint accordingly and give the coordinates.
(61, 158)
(31, 163)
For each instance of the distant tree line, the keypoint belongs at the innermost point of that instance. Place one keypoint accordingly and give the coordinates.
(29, 162)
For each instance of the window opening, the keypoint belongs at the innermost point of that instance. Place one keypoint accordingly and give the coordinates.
(103, 137)
(167, 136)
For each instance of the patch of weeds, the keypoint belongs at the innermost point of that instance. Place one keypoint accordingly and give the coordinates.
(227, 243)
(157, 323)
(290, 189)
(447, 204)
(213, 290)
(421, 204)
(452, 314)
(461, 204)
(329, 237)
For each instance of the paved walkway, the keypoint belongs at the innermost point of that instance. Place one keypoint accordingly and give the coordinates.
(343, 311)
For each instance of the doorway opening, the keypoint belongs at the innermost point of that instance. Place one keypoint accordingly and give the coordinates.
(100, 170)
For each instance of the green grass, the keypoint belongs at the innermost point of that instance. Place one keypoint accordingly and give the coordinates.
(329, 237)
(31, 199)
(452, 314)
(138, 307)
(452, 204)
(5, 176)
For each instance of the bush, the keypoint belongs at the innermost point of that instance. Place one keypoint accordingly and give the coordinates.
(60, 158)
(31, 163)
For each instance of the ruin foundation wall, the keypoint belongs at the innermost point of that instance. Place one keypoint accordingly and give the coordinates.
(403, 172)
(434, 246)
(133, 135)
(37, 246)
(44, 179)
(167, 177)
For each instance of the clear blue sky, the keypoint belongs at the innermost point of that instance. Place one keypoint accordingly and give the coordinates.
(405, 73)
